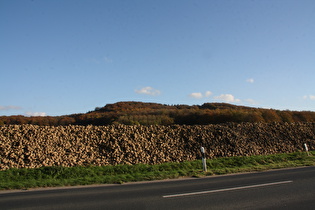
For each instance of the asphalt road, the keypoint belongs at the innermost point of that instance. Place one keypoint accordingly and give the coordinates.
(277, 189)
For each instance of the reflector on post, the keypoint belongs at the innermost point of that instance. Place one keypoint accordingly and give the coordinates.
(204, 162)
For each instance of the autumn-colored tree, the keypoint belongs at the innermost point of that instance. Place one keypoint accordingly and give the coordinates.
(270, 115)
(133, 113)
(286, 116)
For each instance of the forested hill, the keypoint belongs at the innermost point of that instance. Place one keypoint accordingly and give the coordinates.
(135, 113)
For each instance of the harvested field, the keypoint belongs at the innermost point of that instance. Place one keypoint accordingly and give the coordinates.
(31, 146)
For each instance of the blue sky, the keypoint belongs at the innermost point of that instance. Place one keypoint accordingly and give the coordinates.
(62, 57)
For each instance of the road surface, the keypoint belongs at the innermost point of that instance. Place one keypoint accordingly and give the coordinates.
(276, 189)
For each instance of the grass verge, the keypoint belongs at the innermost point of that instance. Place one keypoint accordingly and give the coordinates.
(85, 175)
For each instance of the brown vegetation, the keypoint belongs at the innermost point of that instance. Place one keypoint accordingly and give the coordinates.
(30, 146)
(138, 113)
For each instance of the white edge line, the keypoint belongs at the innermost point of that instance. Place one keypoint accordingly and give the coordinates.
(226, 189)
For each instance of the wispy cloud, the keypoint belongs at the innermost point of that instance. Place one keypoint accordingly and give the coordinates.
(229, 98)
(251, 101)
(250, 80)
(10, 107)
(107, 59)
(200, 95)
(104, 59)
(36, 114)
(309, 97)
(148, 91)
(208, 93)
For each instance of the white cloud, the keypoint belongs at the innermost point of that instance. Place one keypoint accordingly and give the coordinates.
(310, 97)
(200, 95)
(36, 114)
(250, 80)
(227, 98)
(5, 108)
(196, 95)
(148, 91)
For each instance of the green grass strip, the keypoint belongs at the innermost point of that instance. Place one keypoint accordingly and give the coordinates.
(84, 175)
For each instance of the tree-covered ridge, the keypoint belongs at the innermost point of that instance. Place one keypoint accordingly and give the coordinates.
(135, 113)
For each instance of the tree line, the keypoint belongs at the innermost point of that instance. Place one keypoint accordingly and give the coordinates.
(139, 113)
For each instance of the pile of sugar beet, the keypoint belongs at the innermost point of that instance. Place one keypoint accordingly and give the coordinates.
(31, 146)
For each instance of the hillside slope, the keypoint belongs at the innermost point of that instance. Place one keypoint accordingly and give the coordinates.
(139, 113)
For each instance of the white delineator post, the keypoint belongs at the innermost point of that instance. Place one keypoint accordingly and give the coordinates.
(306, 148)
(204, 162)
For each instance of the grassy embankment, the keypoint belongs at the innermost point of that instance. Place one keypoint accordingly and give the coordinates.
(84, 175)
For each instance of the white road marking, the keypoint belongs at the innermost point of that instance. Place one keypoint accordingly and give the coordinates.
(226, 189)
